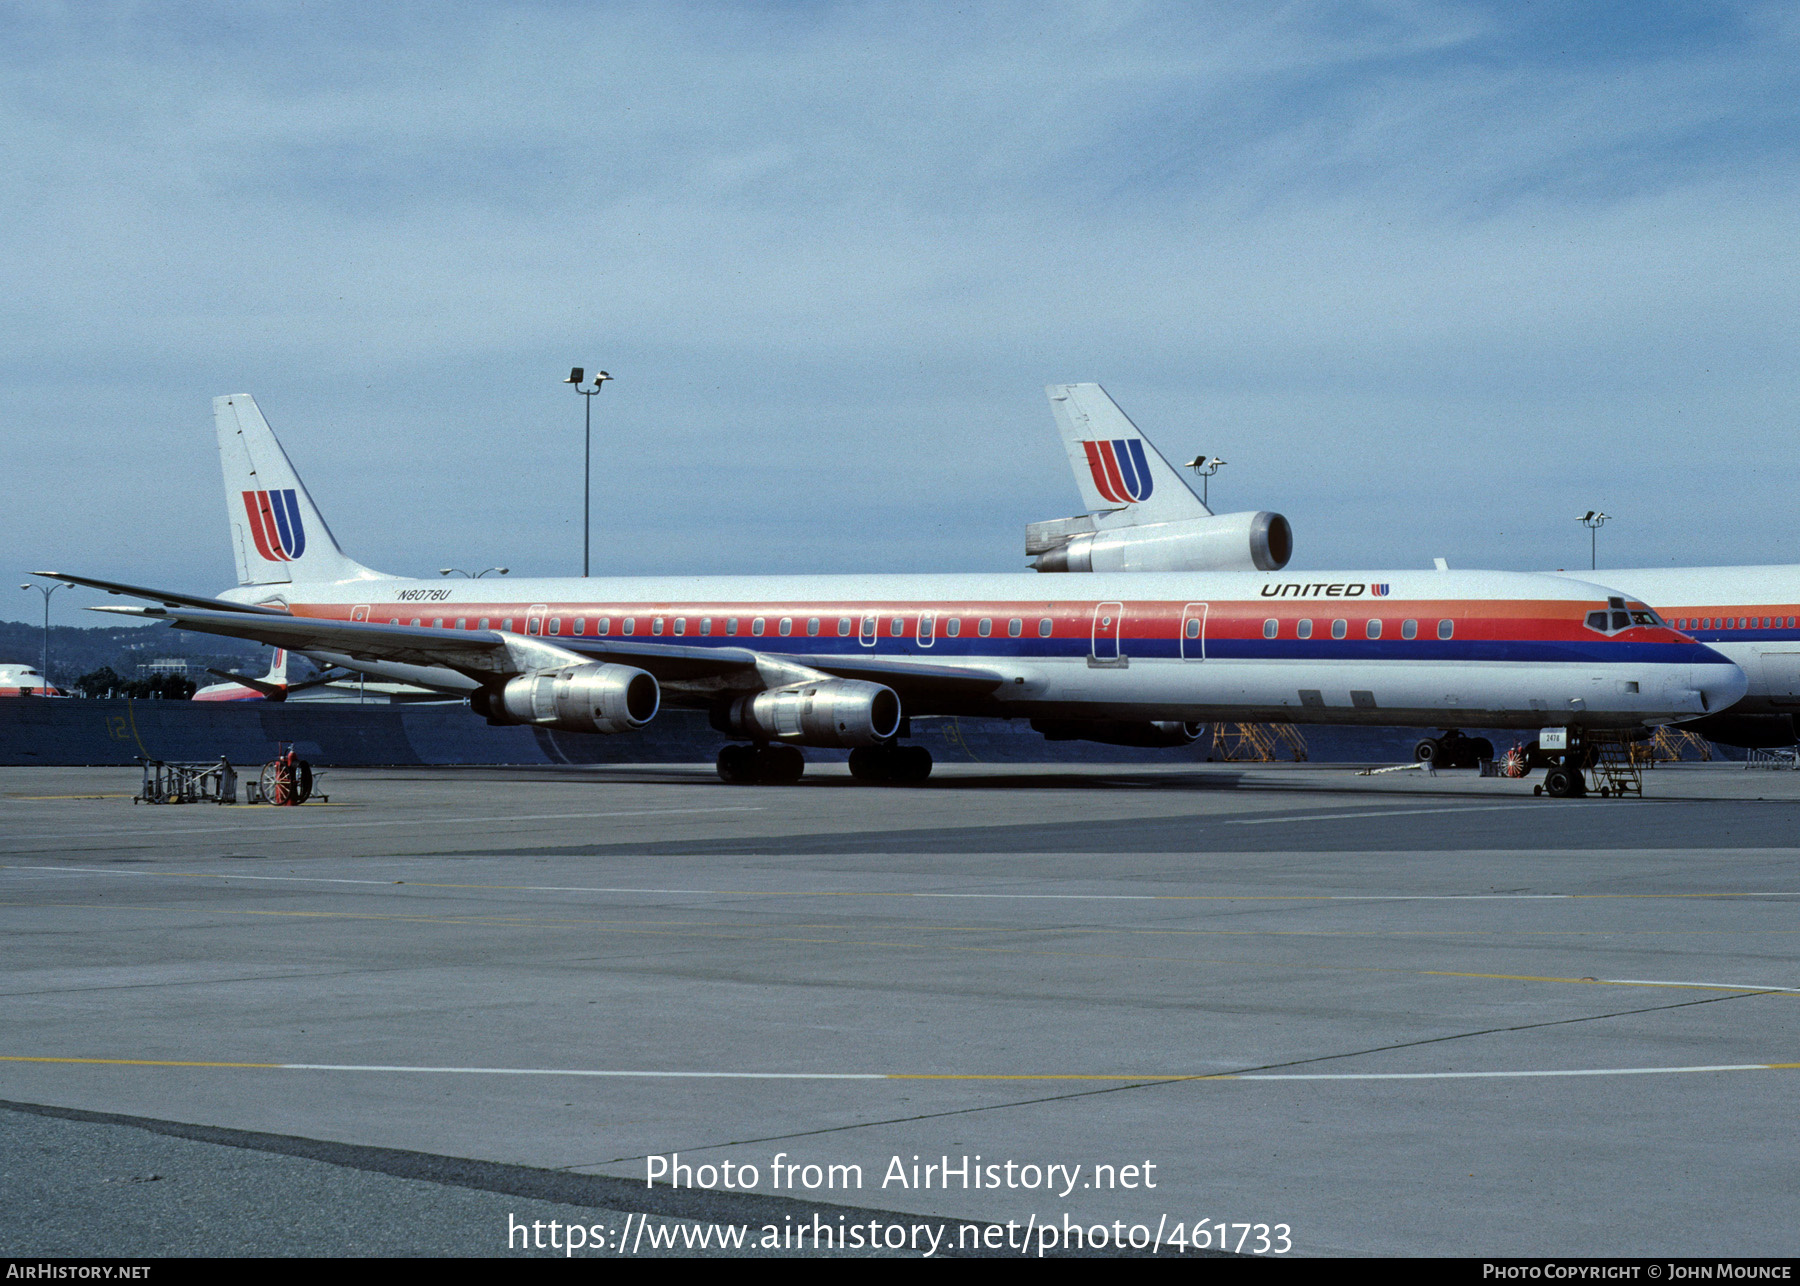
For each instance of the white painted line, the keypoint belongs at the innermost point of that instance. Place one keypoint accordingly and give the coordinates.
(1737, 986)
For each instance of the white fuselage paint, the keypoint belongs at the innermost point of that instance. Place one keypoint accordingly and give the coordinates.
(1518, 656)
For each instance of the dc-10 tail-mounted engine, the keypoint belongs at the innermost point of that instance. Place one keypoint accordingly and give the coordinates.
(1215, 543)
(578, 698)
(831, 712)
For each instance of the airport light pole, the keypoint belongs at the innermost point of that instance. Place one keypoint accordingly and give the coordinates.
(1593, 520)
(576, 375)
(1205, 469)
(457, 571)
(46, 591)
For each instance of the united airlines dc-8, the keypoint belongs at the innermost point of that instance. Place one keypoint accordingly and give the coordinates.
(787, 661)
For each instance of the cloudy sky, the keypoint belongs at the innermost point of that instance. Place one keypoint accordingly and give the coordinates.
(1434, 278)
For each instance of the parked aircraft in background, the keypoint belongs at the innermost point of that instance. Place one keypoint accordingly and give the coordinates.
(1746, 613)
(24, 681)
(844, 661)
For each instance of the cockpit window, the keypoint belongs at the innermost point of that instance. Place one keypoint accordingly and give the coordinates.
(1615, 619)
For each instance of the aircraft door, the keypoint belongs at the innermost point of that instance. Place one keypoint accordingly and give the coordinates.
(869, 622)
(1193, 632)
(360, 612)
(927, 628)
(1109, 619)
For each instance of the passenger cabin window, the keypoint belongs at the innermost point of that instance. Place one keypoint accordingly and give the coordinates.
(1271, 628)
(484, 622)
(705, 626)
(953, 627)
(630, 626)
(580, 625)
(462, 623)
(1014, 628)
(844, 627)
(1045, 625)
(556, 625)
(603, 625)
(1409, 629)
(681, 625)
(986, 627)
(787, 626)
(1303, 630)
(927, 628)
(868, 629)
(731, 625)
(897, 626)
(1446, 629)
(1339, 628)
(506, 625)
(656, 625)
(756, 627)
(437, 622)
(812, 625)
(1373, 629)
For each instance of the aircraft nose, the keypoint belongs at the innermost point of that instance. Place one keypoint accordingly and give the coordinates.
(1718, 686)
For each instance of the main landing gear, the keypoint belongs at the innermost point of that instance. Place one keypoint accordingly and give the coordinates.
(769, 765)
(891, 763)
(1453, 750)
(776, 764)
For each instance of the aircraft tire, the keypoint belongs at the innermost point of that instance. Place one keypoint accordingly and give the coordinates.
(1429, 751)
(913, 762)
(779, 765)
(737, 765)
(871, 763)
(1561, 782)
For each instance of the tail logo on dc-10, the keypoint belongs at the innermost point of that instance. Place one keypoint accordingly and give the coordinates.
(1120, 469)
(275, 524)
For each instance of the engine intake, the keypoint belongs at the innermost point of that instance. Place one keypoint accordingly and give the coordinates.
(579, 698)
(1222, 542)
(834, 712)
(1160, 734)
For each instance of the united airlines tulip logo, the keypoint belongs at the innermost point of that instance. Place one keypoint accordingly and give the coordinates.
(275, 524)
(1379, 591)
(1120, 470)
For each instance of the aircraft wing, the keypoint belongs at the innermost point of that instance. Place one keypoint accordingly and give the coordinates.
(167, 597)
(493, 654)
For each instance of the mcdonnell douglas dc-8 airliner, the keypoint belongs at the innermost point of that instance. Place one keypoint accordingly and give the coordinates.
(786, 661)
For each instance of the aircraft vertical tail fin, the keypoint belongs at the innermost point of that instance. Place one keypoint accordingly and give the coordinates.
(277, 533)
(1123, 477)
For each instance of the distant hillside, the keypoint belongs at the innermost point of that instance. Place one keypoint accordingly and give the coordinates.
(75, 651)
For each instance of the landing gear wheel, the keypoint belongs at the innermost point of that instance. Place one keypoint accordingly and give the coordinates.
(1482, 748)
(894, 764)
(869, 763)
(1429, 751)
(779, 765)
(914, 763)
(737, 765)
(1562, 783)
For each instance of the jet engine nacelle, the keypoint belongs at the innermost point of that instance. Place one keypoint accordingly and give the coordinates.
(1160, 734)
(578, 698)
(1217, 543)
(832, 712)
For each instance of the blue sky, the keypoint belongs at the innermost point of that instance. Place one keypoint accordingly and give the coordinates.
(1435, 278)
